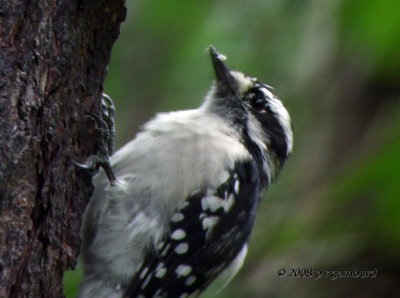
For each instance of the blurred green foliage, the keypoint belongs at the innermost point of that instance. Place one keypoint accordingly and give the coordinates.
(373, 27)
(336, 65)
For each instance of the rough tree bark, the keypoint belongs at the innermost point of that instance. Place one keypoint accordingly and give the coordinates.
(53, 58)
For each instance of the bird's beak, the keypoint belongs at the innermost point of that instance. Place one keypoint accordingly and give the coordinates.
(225, 82)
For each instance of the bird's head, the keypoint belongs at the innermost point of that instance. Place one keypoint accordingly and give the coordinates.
(250, 107)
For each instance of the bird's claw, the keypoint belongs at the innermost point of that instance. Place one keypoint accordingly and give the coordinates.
(105, 128)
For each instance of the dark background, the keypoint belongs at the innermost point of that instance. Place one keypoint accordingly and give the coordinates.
(336, 66)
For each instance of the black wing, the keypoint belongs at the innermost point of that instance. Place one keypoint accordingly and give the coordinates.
(207, 233)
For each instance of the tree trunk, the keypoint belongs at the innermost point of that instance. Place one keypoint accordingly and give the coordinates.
(53, 62)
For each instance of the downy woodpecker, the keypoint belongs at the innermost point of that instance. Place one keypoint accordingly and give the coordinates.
(182, 207)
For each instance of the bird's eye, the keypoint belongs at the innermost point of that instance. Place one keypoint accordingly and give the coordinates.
(257, 104)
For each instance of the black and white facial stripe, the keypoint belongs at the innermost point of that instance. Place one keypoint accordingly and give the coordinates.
(274, 131)
(209, 230)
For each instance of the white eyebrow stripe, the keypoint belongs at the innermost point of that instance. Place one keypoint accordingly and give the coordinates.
(267, 93)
